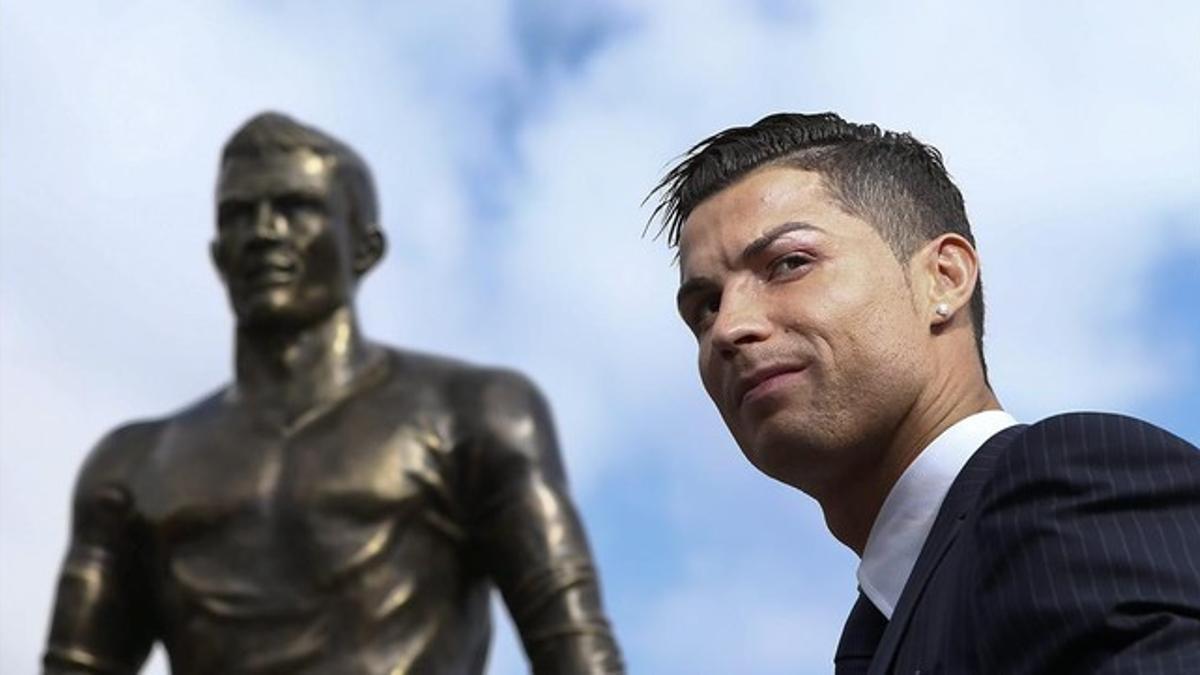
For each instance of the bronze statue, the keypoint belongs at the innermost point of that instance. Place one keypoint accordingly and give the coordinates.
(342, 507)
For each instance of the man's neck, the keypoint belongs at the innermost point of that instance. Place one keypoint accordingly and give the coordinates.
(302, 368)
(851, 509)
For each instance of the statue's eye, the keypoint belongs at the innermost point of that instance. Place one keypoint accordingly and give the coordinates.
(299, 204)
(230, 213)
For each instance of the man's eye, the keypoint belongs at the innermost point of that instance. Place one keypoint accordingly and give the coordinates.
(788, 264)
(703, 312)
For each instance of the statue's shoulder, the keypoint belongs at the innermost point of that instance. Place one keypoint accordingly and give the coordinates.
(412, 367)
(127, 448)
(118, 454)
(456, 377)
(481, 393)
(500, 409)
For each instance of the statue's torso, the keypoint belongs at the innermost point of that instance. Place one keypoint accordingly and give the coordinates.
(336, 545)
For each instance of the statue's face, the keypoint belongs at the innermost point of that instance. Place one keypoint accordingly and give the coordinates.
(283, 239)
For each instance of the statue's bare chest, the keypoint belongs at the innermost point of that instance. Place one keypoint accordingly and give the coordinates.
(230, 495)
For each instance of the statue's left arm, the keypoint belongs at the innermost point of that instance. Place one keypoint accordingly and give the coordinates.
(529, 533)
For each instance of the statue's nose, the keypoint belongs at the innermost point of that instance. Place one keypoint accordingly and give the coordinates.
(268, 222)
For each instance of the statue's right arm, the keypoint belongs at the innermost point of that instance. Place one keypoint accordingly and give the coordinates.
(530, 534)
(101, 623)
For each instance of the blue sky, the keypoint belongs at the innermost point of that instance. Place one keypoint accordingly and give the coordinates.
(512, 143)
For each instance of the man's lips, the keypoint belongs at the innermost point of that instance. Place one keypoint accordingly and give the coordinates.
(762, 382)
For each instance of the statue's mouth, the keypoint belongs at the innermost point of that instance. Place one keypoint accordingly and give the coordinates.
(270, 270)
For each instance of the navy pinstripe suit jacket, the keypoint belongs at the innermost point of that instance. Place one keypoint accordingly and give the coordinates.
(1068, 546)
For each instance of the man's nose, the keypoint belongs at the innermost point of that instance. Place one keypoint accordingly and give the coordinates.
(741, 320)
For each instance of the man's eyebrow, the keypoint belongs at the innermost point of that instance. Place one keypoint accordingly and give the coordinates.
(696, 285)
(761, 243)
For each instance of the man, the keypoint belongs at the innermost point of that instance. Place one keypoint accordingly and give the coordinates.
(342, 506)
(830, 277)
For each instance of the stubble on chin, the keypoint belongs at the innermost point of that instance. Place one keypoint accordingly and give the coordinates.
(818, 440)
(799, 450)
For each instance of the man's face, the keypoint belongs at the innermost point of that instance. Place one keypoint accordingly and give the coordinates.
(283, 240)
(810, 343)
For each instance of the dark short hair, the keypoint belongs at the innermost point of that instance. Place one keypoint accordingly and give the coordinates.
(272, 132)
(891, 180)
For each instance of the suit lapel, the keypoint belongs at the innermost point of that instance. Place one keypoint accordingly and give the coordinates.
(963, 494)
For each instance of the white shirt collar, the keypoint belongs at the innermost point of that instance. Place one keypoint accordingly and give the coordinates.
(907, 515)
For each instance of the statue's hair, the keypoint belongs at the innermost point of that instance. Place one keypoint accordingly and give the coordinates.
(272, 132)
(890, 180)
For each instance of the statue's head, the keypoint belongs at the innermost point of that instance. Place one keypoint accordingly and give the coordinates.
(297, 223)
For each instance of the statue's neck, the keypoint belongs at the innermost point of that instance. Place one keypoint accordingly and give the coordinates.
(301, 368)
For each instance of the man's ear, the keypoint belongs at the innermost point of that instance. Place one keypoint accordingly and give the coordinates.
(368, 250)
(953, 268)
